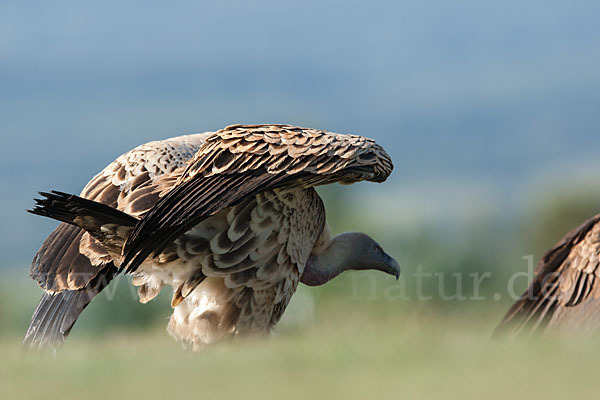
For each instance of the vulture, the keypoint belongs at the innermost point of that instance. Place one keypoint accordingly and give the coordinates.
(564, 295)
(229, 219)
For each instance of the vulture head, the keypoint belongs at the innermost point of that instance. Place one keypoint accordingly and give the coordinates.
(347, 251)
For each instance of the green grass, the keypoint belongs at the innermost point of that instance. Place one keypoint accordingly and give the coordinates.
(358, 354)
(350, 339)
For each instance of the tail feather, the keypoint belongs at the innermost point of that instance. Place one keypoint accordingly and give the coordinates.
(45, 331)
(56, 313)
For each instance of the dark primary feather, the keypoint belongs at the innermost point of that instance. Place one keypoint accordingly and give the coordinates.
(68, 207)
(107, 225)
(564, 293)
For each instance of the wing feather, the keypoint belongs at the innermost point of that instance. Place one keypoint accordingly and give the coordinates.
(72, 266)
(564, 289)
(242, 161)
(132, 183)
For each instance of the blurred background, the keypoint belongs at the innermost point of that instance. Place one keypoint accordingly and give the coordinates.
(489, 110)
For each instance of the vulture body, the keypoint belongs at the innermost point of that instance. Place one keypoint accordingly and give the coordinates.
(230, 220)
(564, 296)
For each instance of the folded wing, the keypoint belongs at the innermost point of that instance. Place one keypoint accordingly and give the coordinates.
(244, 160)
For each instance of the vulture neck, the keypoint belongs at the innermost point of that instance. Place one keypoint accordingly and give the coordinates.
(331, 257)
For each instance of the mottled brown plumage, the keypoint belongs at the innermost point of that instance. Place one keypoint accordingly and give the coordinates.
(72, 267)
(564, 295)
(68, 259)
(231, 227)
(252, 159)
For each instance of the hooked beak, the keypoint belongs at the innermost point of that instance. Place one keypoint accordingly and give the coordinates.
(392, 267)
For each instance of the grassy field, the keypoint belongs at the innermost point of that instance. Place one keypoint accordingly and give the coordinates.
(351, 339)
(360, 354)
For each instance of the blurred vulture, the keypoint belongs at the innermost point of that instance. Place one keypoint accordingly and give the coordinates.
(564, 295)
(230, 220)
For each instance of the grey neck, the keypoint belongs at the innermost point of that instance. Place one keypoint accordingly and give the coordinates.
(328, 263)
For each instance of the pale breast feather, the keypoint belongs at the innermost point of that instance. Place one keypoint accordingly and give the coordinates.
(259, 248)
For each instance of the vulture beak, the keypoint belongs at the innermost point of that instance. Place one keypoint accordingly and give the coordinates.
(391, 266)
